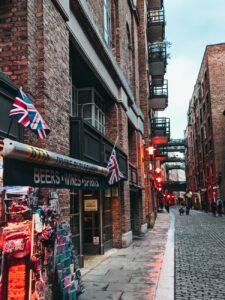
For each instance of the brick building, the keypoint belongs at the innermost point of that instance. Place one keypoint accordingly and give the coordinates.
(204, 133)
(95, 71)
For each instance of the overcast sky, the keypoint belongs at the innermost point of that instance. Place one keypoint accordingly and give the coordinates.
(191, 25)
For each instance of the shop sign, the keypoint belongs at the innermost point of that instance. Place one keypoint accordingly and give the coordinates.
(95, 240)
(31, 154)
(23, 173)
(90, 205)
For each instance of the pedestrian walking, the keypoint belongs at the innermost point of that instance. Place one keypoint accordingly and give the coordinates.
(203, 205)
(181, 210)
(213, 207)
(219, 204)
(167, 207)
(187, 210)
(188, 197)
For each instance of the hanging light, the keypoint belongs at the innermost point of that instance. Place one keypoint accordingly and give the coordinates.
(151, 150)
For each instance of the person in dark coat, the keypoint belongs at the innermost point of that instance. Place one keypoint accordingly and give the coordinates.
(187, 210)
(181, 210)
(219, 203)
(213, 207)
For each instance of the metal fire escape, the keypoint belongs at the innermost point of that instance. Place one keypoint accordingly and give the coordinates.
(173, 161)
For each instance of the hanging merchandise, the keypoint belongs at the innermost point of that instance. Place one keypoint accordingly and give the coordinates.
(37, 253)
(16, 247)
(68, 273)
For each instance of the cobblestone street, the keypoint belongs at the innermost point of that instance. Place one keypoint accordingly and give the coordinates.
(199, 257)
(132, 273)
(144, 270)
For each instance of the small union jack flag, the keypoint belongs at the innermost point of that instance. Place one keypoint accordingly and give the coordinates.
(28, 116)
(113, 167)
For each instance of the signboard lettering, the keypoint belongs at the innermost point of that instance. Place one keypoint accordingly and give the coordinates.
(29, 174)
(90, 205)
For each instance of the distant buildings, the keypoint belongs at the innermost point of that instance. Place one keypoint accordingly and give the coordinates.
(205, 132)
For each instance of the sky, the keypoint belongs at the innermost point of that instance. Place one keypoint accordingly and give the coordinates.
(190, 26)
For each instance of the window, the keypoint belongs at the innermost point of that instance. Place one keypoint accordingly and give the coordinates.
(73, 109)
(75, 220)
(107, 22)
(130, 50)
(90, 107)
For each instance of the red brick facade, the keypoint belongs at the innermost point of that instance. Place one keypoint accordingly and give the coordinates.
(205, 136)
(35, 53)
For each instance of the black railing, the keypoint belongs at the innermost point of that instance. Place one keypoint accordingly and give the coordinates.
(160, 127)
(155, 16)
(157, 52)
(159, 91)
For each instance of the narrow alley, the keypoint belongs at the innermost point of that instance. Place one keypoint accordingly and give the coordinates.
(182, 258)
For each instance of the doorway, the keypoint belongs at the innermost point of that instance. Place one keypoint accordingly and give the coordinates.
(91, 222)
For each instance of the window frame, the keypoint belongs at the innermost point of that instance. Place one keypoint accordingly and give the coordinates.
(107, 22)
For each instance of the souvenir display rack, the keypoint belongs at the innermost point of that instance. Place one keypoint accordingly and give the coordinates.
(37, 252)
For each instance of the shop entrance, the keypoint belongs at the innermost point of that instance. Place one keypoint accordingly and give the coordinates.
(91, 222)
(97, 222)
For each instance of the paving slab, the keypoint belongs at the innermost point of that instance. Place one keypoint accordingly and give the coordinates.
(133, 272)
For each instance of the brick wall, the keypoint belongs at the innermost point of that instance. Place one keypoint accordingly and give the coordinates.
(117, 123)
(96, 8)
(206, 149)
(144, 104)
(35, 54)
(13, 40)
(216, 59)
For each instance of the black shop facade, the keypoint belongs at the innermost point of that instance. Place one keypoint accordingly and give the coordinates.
(90, 194)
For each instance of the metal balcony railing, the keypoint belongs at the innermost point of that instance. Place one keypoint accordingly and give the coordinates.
(157, 52)
(155, 16)
(160, 127)
(159, 91)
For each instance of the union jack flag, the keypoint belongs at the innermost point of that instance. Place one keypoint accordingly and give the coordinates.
(28, 116)
(113, 167)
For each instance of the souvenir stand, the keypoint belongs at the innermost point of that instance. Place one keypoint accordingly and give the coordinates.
(37, 256)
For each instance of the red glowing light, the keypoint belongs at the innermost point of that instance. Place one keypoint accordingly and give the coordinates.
(157, 170)
(159, 179)
(151, 150)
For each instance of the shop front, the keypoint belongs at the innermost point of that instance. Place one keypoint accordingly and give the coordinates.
(40, 246)
(94, 207)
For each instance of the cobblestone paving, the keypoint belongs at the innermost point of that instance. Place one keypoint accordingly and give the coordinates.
(199, 257)
(131, 273)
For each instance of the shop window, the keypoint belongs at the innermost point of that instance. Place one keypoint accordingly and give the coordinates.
(91, 220)
(90, 107)
(130, 51)
(107, 22)
(75, 221)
